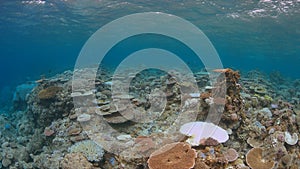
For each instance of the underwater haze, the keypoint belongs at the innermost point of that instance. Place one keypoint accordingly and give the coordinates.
(45, 37)
(162, 97)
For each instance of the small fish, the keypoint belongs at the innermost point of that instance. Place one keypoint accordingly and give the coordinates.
(7, 126)
(274, 106)
(112, 161)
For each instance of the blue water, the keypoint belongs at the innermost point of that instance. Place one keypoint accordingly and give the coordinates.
(42, 38)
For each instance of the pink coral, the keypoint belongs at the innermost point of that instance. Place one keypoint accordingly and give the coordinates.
(48, 132)
(231, 155)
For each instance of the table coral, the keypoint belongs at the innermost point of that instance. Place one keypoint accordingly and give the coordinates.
(201, 131)
(173, 156)
(255, 160)
(231, 155)
(49, 92)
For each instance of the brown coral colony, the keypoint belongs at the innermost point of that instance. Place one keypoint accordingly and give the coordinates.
(49, 92)
(173, 156)
(255, 160)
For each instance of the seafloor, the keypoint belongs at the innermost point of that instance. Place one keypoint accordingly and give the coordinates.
(44, 129)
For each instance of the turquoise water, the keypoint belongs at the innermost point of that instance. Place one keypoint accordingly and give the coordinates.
(42, 38)
(47, 110)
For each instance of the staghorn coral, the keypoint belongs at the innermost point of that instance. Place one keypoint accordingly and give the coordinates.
(173, 156)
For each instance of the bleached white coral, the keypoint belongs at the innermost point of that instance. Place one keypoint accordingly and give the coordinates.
(91, 150)
(291, 139)
(203, 130)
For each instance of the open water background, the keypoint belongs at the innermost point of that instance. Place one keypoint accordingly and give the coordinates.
(45, 37)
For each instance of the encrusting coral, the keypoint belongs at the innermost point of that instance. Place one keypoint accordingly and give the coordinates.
(75, 160)
(173, 156)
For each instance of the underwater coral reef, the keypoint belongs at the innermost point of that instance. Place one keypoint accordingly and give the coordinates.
(258, 126)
